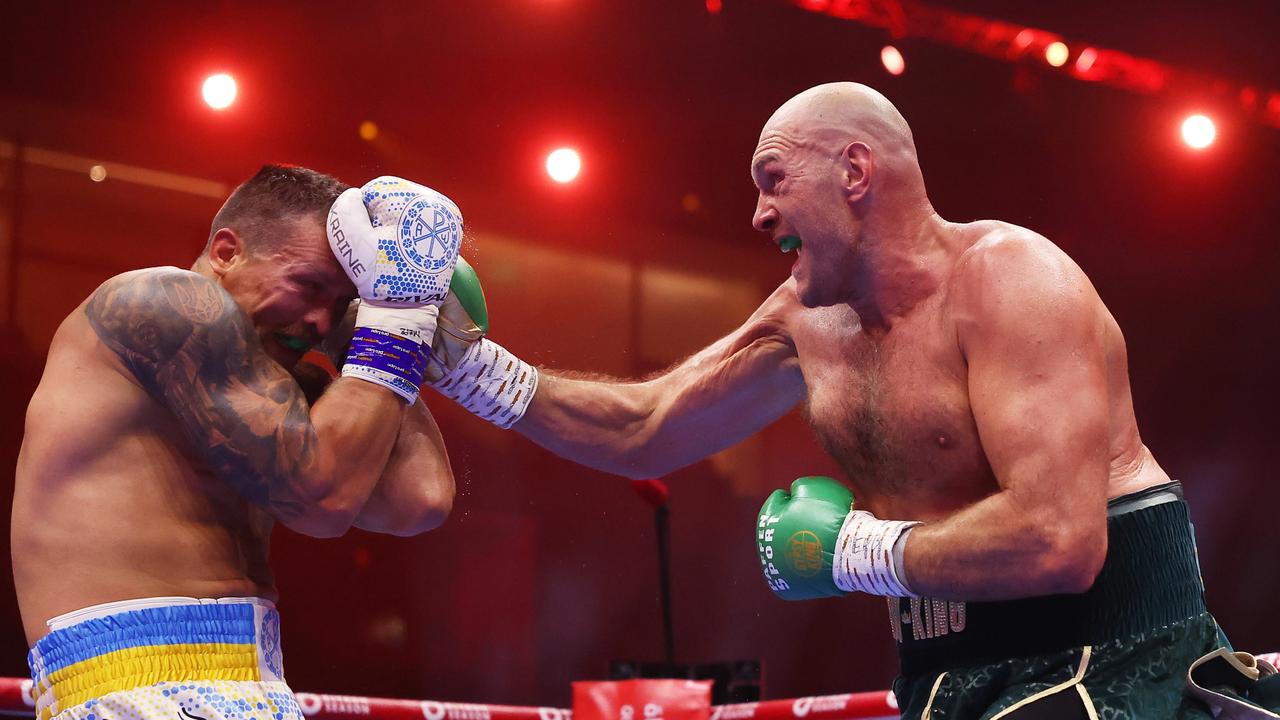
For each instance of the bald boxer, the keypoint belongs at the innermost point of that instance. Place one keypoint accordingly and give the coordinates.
(973, 386)
(167, 436)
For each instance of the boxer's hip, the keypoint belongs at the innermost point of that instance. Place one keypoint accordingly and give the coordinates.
(157, 656)
(1150, 579)
(1134, 676)
(1143, 619)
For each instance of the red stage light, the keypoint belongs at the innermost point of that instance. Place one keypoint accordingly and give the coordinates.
(713, 7)
(892, 60)
(1198, 132)
(1085, 62)
(564, 164)
(1023, 40)
(219, 91)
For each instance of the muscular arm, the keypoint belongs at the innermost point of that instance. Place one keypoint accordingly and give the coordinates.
(710, 401)
(415, 492)
(416, 489)
(193, 350)
(1032, 329)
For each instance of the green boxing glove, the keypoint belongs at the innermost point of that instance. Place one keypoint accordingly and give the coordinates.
(480, 375)
(464, 319)
(796, 537)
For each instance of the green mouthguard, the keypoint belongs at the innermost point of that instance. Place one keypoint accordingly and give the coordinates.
(293, 343)
(789, 243)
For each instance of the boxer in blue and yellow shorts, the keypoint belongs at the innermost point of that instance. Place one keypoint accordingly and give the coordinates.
(175, 424)
(164, 658)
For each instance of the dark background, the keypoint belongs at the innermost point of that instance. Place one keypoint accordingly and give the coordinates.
(546, 570)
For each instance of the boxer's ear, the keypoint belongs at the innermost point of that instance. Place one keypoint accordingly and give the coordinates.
(225, 250)
(856, 167)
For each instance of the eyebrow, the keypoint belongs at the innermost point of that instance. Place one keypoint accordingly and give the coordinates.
(762, 161)
(757, 167)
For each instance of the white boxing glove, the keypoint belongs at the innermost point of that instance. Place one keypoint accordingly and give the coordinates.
(398, 243)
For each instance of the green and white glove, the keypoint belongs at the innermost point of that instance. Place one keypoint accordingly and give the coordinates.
(813, 545)
(465, 366)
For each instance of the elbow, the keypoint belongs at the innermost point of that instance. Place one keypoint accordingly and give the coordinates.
(1072, 559)
(427, 513)
(638, 450)
(324, 514)
(424, 507)
(322, 524)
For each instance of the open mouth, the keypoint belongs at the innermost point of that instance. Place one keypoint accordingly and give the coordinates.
(789, 243)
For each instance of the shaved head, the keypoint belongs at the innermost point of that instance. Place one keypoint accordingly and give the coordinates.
(843, 107)
(828, 117)
(838, 178)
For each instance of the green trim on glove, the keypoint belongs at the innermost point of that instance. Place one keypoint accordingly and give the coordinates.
(466, 286)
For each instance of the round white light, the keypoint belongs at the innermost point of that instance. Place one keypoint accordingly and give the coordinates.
(1056, 54)
(1198, 132)
(892, 60)
(219, 91)
(563, 165)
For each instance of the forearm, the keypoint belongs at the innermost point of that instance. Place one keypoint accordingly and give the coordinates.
(1001, 549)
(416, 490)
(355, 426)
(712, 401)
(598, 423)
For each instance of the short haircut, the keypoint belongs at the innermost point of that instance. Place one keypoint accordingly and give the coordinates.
(275, 193)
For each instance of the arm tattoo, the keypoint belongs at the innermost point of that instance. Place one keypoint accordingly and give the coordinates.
(196, 353)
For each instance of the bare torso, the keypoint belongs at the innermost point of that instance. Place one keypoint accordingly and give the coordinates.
(893, 408)
(109, 502)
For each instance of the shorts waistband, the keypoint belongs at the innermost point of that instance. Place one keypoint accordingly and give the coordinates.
(137, 643)
(1150, 578)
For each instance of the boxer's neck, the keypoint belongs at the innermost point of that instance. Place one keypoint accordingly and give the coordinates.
(902, 261)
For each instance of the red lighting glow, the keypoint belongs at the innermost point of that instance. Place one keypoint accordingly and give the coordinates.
(1023, 40)
(713, 7)
(1087, 58)
(892, 60)
(219, 91)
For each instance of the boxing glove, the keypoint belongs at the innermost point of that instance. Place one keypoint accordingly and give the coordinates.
(398, 243)
(465, 366)
(796, 537)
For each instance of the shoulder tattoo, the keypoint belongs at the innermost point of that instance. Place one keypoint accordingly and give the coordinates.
(196, 352)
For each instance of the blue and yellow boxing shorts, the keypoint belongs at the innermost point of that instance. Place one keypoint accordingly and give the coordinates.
(163, 658)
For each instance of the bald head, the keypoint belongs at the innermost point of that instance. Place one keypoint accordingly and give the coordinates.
(835, 114)
(827, 118)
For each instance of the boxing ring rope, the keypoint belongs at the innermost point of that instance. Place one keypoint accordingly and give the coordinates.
(16, 699)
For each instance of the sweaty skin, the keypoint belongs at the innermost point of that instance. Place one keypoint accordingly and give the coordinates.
(167, 435)
(964, 375)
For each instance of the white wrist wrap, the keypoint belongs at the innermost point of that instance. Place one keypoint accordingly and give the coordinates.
(387, 347)
(491, 383)
(414, 323)
(864, 559)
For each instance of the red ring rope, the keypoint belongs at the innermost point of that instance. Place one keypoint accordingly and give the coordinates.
(16, 699)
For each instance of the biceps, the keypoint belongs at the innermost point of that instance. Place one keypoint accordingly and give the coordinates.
(738, 394)
(1042, 416)
(254, 431)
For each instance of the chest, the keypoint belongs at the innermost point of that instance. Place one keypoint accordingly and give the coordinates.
(893, 409)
